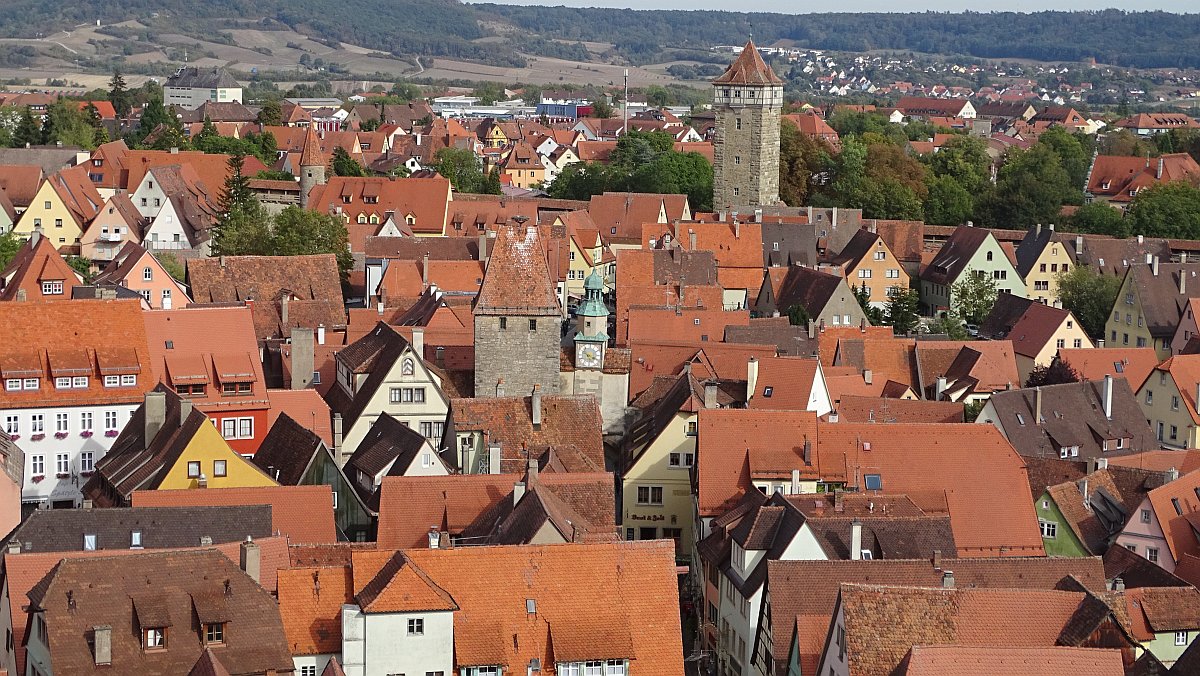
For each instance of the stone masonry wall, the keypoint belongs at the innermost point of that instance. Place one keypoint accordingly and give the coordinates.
(520, 356)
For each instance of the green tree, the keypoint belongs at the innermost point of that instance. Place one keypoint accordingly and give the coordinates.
(298, 232)
(903, 311)
(1099, 218)
(243, 226)
(271, 113)
(948, 202)
(153, 114)
(965, 160)
(675, 173)
(1031, 188)
(82, 266)
(657, 96)
(1073, 156)
(1057, 372)
(878, 178)
(581, 180)
(67, 124)
(119, 95)
(28, 131)
(1166, 210)
(602, 109)
(489, 93)
(462, 168)
(798, 316)
(863, 295)
(406, 91)
(803, 160)
(344, 165)
(10, 244)
(1089, 296)
(973, 296)
(950, 326)
(173, 266)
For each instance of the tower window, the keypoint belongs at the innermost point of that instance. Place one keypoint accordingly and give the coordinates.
(503, 323)
(737, 159)
(737, 121)
(533, 325)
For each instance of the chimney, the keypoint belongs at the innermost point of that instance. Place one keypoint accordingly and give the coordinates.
(808, 450)
(1149, 256)
(425, 271)
(493, 458)
(940, 388)
(737, 229)
(751, 377)
(304, 360)
(1154, 266)
(35, 236)
(1182, 281)
(948, 579)
(175, 150)
(937, 558)
(1158, 174)
(1118, 585)
(337, 435)
(1078, 247)
(154, 409)
(795, 482)
(1037, 406)
(1172, 474)
(758, 214)
(185, 411)
(14, 546)
(483, 246)
(710, 394)
(102, 644)
(1183, 257)
(531, 467)
(867, 376)
(320, 334)
(518, 492)
(1038, 230)
(434, 537)
(418, 341)
(88, 504)
(812, 329)
(22, 296)
(855, 540)
(283, 310)
(536, 406)
(251, 558)
(1083, 488)
(1108, 384)
(691, 239)
(499, 387)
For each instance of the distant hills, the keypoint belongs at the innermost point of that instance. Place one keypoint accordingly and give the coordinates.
(494, 33)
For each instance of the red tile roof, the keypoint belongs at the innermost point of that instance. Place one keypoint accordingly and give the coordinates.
(1132, 364)
(424, 199)
(749, 69)
(302, 513)
(305, 407)
(35, 262)
(517, 276)
(957, 660)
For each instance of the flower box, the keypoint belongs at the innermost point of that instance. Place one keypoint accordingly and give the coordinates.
(88, 473)
(62, 475)
(37, 437)
(111, 433)
(14, 437)
(85, 434)
(37, 478)
(60, 435)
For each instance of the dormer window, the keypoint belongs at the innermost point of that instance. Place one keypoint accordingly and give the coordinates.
(214, 632)
(154, 638)
(52, 287)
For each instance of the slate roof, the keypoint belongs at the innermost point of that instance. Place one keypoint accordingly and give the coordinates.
(63, 530)
(181, 584)
(287, 451)
(1135, 571)
(749, 69)
(202, 78)
(954, 255)
(809, 288)
(1162, 302)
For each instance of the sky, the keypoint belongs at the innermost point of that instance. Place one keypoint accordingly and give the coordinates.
(792, 7)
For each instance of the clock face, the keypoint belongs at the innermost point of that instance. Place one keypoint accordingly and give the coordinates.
(589, 356)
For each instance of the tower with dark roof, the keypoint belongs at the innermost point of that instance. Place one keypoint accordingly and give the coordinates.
(312, 166)
(748, 101)
(518, 319)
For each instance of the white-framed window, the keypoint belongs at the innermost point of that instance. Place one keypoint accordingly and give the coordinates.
(680, 459)
(61, 422)
(407, 395)
(129, 380)
(37, 423)
(1049, 529)
(37, 465)
(864, 273)
(85, 421)
(110, 420)
(62, 383)
(649, 495)
(154, 637)
(1152, 554)
(87, 461)
(147, 274)
(1181, 638)
(12, 424)
(432, 430)
(308, 670)
(79, 382)
(89, 542)
(62, 463)
(52, 287)
(31, 383)
(880, 255)
(416, 627)
(112, 381)
(12, 384)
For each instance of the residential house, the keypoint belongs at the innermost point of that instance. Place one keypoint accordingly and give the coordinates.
(1164, 620)
(421, 203)
(208, 355)
(20, 183)
(1188, 327)
(124, 528)
(916, 106)
(118, 223)
(487, 508)
(1160, 529)
(303, 514)
(201, 610)
(736, 251)
(1169, 399)
(416, 611)
(292, 455)
(380, 373)
(1082, 517)
(814, 126)
(822, 297)
(1148, 124)
(588, 253)
(665, 279)
(63, 206)
(801, 596)
(391, 448)
(38, 272)
(621, 215)
(1065, 117)
(283, 292)
(1116, 180)
(1041, 258)
(866, 258)
(1087, 420)
(1133, 364)
(1037, 331)
(66, 394)
(864, 639)
(190, 87)
(973, 371)
(1149, 305)
(499, 435)
(787, 384)
(973, 251)
(180, 210)
(522, 167)
(137, 269)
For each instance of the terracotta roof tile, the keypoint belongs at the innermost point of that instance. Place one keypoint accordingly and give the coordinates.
(304, 406)
(424, 199)
(1132, 364)
(303, 513)
(748, 69)
(570, 424)
(1012, 661)
(37, 261)
(517, 276)
(868, 409)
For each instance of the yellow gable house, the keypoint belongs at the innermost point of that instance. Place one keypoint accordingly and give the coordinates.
(62, 207)
(588, 252)
(169, 444)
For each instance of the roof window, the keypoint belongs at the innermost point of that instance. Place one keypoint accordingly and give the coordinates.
(768, 391)
(873, 482)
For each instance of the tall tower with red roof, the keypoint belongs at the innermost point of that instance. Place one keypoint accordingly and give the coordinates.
(748, 101)
(312, 165)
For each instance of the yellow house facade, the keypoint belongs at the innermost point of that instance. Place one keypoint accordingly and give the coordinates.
(49, 211)
(1041, 282)
(587, 255)
(208, 458)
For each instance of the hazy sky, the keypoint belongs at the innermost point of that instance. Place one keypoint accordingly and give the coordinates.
(791, 7)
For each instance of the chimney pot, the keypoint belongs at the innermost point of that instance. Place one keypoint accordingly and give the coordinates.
(251, 558)
(710, 394)
(948, 579)
(536, 406)
(1108, 392)
(1118, 585)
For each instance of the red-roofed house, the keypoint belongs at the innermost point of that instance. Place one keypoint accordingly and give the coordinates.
(1117, 180)
(419, 202)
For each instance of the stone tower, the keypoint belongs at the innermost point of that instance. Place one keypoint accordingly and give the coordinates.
(312, 166)
(591, 339)
(518, 320)
(748, 101)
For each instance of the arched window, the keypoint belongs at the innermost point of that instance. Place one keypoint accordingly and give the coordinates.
(406, 367)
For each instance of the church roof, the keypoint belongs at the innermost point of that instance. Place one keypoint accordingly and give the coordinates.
(749, 69)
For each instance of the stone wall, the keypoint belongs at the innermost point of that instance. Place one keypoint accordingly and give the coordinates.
(746, 160)
(516, 354)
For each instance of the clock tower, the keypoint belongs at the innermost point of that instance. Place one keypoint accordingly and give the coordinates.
(591, 340)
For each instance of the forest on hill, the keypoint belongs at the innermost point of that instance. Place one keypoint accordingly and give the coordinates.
(453, 29)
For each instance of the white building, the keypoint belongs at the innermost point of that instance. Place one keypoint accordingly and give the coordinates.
(190, 87)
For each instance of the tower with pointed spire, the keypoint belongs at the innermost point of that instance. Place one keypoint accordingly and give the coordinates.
(748, 102)
(312, 166)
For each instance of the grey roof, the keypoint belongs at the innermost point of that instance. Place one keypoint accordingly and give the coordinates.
(202, 78)
(809, 288)
(62, 530)
(954, 255)
(1028, 250)
(1073, 415)
(287, 451)
(51, 159)
(1162, 299)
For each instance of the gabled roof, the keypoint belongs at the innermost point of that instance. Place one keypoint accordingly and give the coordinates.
(63, 530)
(748, 69)
(303, 513)
(873, 409)
(784, 383)
(192, 77)
(310, 602)
(287, 451)
(211, 169)
(389, 445)
(1176, 527)
(958, 660)
(1161, 299)
(809, 288)
(954, 255)
(35, 262)
(570, 424)
(517, 280)
(1134, 364)
(77, 193)
(20, 182)
(425, 199)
